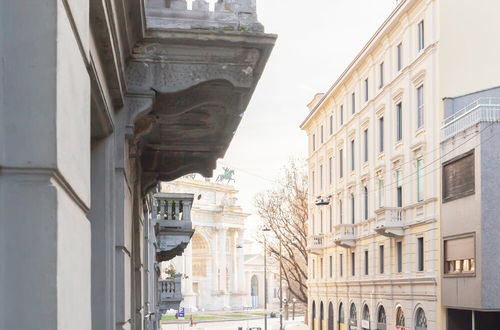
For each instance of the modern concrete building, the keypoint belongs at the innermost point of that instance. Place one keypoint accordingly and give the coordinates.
(375, 238)
(100, 100)
(470, 230)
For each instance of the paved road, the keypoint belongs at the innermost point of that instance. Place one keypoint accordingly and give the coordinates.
(272, 324)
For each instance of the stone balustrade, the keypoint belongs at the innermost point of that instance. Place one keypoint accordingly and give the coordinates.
(170, 295)
(389, 221)
(174, 229)
(345, 235)
(317, 243)
(227, 15)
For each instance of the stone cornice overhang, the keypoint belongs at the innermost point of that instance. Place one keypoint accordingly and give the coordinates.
(186, 94)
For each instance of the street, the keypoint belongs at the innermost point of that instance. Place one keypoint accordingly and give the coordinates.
(272, 323)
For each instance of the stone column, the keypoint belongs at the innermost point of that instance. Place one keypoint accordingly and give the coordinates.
(45, 235)
(240, 266)
(222, 257)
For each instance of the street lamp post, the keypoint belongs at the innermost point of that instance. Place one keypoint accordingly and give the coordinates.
(281, 290)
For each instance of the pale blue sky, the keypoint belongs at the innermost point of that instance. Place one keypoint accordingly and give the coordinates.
(317, 39)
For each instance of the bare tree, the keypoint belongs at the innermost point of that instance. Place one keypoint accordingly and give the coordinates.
(283, 210)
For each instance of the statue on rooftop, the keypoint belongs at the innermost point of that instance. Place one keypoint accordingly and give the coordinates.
(226, 176)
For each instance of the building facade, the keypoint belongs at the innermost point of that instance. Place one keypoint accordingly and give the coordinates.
(213, 264)
(101, 100)
(375, 239)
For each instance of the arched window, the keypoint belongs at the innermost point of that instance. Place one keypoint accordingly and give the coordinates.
(330, 316)
(420, 320)
(313, 313)
(321, 316)
(381, 318)
(400, 319)
(341, 316)
(365, 323)
(353, 316)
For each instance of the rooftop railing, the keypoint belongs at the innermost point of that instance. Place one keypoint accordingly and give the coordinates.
(482, 110)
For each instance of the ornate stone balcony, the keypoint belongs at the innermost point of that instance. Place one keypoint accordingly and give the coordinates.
(170, 295)
(389, 221)
(317, 243)
(345, 235)
(174, 229)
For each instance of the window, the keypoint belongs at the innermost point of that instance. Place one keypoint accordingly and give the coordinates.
(399, 256)
(459, 255)
(366, 262)
(331, 266)
(380, 193)
(331, 219)
(352, 209)
(381, 75)
(381, 134)
(353, 158)
(341, 265)
(420, 254)
(353, 102)
(321, 178)
(399, 122)
(353, 264)
(314, 268)
(399, 189)
(420, 106)
(322, 137)
(341, 163)
(321, 267)
(330, 170)
(340, 212)
(341, 115)
(420, 180)
(314, 142)
(399, 56)
(421, 41)
(365, 138)
(367, 94)
(381, 258)
(366, 202)
(420, 320)
(321, 222)
(313, 225)
(313, 185)
(459, 177)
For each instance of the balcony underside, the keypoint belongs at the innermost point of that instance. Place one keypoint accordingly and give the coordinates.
(390, 231)
(170, 304)
(346, 243)
(188, 93)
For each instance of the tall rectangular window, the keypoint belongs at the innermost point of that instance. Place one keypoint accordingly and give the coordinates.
(331, 124)
(341, 219)
(399, 56)
(313, 183)
(420, 106)
(421, 40)
(366, 262)
(381, 259)
(331, 266)
(399, 122)
(353, 209)
(341, 116)
(381, 75)
(366, 202)
(420, 254)
(365, 138)
(322, 136)
(331, 219)
(381, 134)
(353, 158)
(341, 265)
(353, 102)
(321, 178)
(314, 142)
(321, 267)
(399, 189)
(367, 92)
(399, 256)
(353, 264)
(330, 170)
(314, 268)
(381, 189)
(420, 180)
(341, 163)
